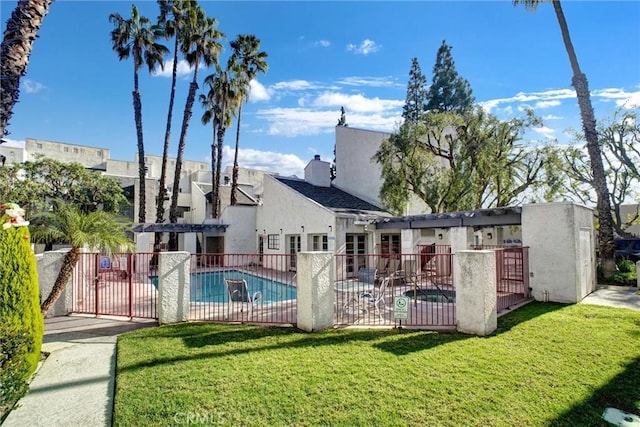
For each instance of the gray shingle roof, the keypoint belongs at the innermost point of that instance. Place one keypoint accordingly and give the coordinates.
(330, 197)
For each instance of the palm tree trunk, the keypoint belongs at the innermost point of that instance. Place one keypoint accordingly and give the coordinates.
(605, 232)
(214, 190)
(21, 32)
(221, 132)
(162, 191)
(142, 169)
(68, 264)
(188, 111)
(234, 176)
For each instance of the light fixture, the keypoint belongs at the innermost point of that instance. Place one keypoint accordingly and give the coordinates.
(302, 227)
(264, 231)
(489, 236)
(330, 229)
(440, 236)
(281, 231)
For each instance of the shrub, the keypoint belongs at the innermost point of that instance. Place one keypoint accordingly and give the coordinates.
(626, 266)
(20, 316)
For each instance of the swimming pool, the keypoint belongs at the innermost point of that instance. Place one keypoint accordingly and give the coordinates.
(432, 295)
(210, 287)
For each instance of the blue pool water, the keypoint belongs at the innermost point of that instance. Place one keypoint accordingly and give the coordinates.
(210, 287)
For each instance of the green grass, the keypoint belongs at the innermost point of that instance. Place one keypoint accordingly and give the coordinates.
(548, 364)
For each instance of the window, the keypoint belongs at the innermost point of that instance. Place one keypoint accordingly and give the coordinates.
(39, 146)
(319, 242)
(75, 150)
(99, 153)
(66, 149)
(273, 241)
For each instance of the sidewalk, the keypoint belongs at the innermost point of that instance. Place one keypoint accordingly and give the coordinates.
(614, 296)
(74, 386)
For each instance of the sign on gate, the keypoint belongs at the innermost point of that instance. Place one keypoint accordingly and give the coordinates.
(401, 308)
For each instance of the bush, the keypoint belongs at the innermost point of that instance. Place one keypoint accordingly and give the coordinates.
(626, 266)
(20, 316)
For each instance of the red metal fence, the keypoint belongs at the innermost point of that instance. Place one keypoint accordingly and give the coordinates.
(366, 297)
(243, 288)
(512, 276)
(115, 285)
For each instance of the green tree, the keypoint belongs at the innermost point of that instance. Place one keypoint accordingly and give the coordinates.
(137, 37)
(247, 61)
(33, 184)
(448, 92)
(417, 95)
(21, 32)
(579, 81)
(100, 230)
(453, 162)
(620, 146)
(199, 43)
(220, 103)
(21, 323)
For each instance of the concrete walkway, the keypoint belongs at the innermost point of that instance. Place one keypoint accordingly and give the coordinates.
(614, 296)
(74, 386)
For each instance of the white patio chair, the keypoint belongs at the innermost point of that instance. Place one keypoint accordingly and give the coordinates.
(239, 294)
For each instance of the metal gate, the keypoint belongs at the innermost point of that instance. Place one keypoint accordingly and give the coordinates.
(115, 285)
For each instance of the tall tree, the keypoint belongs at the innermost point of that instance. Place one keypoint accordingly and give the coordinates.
(21, 32)
(417, 95)
(66, 224)
(579, 81)
(247, 60)
(199, 43)
(170, 19)
(137, 37)
(453, 162)
(449, 91)
(220, 103)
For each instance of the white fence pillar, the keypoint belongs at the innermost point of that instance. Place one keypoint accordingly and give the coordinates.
(316, 294)
(174, 283)
(476, 304)
(461, 238)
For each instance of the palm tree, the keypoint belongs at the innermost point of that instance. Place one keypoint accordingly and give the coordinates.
(219, 103)
(579, 82)
(21, 32)
(67, 224)
(199, 42)
(137, 37)
(248, 61)
(171, 16)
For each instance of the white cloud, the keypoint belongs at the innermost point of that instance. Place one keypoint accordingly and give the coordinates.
(282, 163)
(292, 85)
(30, 86)
(357, 103)
(545, 131)
(547, 104)
(551, 117)
(366, 47)
(322, 43)
(258, 92)
(632, 101)
(183, 69)
(369, 81)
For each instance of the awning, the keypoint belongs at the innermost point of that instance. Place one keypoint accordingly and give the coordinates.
(177, 228)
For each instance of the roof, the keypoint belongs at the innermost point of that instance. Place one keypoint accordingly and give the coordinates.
(330, 197)
(176, 228)
(472, 218)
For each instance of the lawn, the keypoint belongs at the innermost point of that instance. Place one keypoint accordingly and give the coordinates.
(548, 364)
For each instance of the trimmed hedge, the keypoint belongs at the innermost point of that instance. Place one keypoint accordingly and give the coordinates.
(22, 325)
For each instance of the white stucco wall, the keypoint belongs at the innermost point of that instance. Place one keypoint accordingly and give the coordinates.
(285, 211)
(561, 241)
(240, 236)
(91, 157)
(14, 152)
(356, 172)
(174, 284)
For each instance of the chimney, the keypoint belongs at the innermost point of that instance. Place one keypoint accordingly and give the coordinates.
(317, 172)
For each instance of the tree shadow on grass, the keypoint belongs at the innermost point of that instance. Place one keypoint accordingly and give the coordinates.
(622, 392)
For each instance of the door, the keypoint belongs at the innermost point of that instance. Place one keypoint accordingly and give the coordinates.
(260, 249)
(293, 244)
(356, 247)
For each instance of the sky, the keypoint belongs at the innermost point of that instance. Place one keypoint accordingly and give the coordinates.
(323, 56)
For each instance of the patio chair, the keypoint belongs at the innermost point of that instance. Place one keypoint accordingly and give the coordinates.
(239, 294)
(376, 296)
(368, 275)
